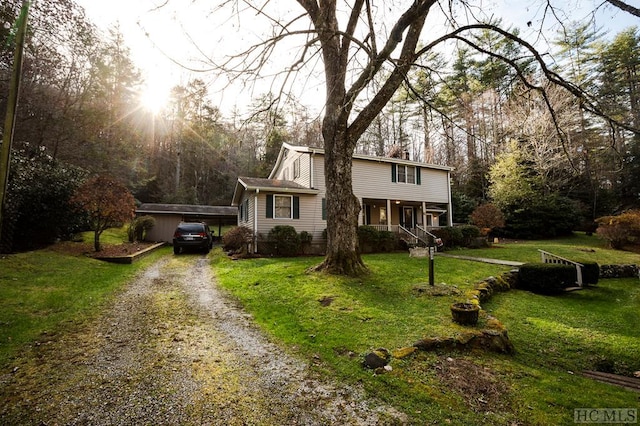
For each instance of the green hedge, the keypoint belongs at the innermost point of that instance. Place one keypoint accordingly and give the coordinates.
(457, 236)
(590, 273)
(373, 241)
(285, 240)
(546, 278)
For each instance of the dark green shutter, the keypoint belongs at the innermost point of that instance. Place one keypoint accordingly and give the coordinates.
(296, 207)
(270, 206)
(324, 209)
(418, 178)
(393, 172)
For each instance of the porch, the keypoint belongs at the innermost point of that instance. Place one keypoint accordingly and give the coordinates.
(391, 215)
(412, 220)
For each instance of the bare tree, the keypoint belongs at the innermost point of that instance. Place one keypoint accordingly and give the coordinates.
(367, 52)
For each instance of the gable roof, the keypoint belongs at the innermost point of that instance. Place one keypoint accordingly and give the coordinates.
(315, 150)
(189, 209)
(268, 185)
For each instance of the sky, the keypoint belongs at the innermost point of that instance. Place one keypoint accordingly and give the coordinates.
(182, 31)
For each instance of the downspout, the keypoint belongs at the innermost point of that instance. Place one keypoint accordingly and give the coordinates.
(449, 204)
(255, 222)
(311, 170)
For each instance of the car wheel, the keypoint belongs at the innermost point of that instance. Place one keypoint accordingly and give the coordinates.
(176, 250)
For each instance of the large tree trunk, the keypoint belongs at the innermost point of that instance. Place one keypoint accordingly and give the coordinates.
(340, 136)
(343, 253)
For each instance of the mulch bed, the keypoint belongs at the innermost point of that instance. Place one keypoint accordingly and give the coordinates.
(108, 250)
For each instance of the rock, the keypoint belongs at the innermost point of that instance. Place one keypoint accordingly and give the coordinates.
(418, 252)
(377, 359)
(403, 352)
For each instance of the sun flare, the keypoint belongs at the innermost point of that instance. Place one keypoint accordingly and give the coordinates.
(154, 96)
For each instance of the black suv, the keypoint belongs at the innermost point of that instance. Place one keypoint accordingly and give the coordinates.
(192, 235)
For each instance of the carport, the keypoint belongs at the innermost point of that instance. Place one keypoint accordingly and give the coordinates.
(168, 216)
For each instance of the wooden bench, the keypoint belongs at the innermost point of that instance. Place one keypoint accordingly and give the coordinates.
(552, 258)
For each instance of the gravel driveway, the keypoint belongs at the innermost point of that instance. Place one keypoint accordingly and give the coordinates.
(173, 349)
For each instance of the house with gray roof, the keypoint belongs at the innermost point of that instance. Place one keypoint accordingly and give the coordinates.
(397, 195)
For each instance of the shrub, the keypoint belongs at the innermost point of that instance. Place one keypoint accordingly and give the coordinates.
(367, 238)
(373, 241)
(237, 239)
(546, 278)
(285, 240)
(38, 209)
(139, 227)
(590, 273)
(619, 230)
(305, 240)
(469, 234)
(386, 241)
(545, 217)
(451, 236)
(487, 217)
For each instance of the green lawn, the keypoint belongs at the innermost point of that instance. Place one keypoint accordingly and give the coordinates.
(579, 248)
(45, 291)
(333, 321)
(556, 337)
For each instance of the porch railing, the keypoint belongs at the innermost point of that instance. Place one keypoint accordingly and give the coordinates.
(552, 258)
(408, 236)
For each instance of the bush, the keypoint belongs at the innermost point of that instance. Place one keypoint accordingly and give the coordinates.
(590, 273)
(367, 238)
(487, 217)
(38, 208)
(619, 230)
(451, 236)
(237, 239)
(373, 241)
(547, 217)
(305, 240)
(469, 234)
(285, 240)
(546, 278)
(139, 227)
(386, 241)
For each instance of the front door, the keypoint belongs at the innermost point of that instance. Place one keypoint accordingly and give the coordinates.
(409, 221)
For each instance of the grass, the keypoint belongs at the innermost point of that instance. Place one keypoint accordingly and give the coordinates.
(579, 248)
(333, 321)
(45, 291)
(337, 320)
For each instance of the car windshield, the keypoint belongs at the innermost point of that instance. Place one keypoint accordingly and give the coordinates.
(191, 227)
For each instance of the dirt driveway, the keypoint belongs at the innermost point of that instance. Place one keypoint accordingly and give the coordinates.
(173, 349)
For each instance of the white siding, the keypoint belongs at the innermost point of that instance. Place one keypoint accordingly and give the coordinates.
(286, 170)
(310, 216)
(373, 180)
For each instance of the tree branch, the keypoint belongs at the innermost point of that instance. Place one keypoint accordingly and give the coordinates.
(624, 6)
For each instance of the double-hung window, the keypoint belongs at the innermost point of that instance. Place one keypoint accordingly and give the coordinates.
(282, 206)
(405, 174)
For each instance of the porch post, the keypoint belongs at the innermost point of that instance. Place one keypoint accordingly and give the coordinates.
(388, 214)
(362, 213)
(424, 215)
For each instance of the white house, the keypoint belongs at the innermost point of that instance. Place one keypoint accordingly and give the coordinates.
(397, 195)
